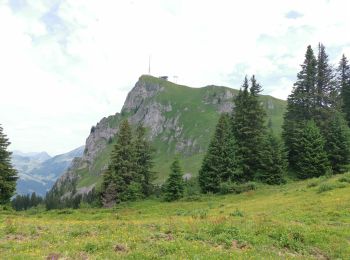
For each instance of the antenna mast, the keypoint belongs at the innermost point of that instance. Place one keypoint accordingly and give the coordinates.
(149, 65)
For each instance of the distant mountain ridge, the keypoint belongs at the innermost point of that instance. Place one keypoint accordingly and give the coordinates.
(39, 171)
(180, 120)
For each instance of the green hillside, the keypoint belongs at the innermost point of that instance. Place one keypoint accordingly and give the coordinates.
(301, 220)
(194, 111)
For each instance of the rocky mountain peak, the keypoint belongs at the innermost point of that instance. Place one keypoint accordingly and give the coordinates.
(145, 87)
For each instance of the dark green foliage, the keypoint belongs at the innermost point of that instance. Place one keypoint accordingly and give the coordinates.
(24, 202)
(231, 187)
(316, 96)
(129, 175)
(311, 158)
(144, 161)
(109, 195)
(302, 100)
(8, 175)
(274, 162)
(249, 130)
(301, 105)
(337, 135)
(344, 85)
(326, 91)
(121, 170)
(174, 185)
(133, 192)
(219, 164)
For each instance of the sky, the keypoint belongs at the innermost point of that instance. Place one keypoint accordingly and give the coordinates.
(66, 64)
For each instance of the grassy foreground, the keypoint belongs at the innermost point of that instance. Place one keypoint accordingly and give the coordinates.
(303, 220)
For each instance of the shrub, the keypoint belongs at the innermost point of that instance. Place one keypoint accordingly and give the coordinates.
(237, 213)
(231, 187)
(344, 179)
(326, 187)
(312, 184)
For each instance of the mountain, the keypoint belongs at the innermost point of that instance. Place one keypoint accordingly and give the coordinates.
(39, 171)
(180, 120)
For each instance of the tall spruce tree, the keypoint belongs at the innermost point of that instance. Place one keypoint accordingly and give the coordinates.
(121, 170)
(8, 175)
(143, 161)
(301, 105)
(248, 120)
(327, 93)
(344, 85)
(312, 159)
(337, 146)
(219, 164)
(174, 186)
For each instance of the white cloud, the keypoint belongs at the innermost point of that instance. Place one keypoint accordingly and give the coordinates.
(64, 64)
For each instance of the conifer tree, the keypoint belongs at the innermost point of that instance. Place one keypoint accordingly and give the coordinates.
(326, 93)
(121, 170)
(344, 85)
(337, 146)
(143, 161)
(274, 162)
(301, 105)
(248, 120)
(219, 164)
(8, 175)
(312, 159)
(174, 186)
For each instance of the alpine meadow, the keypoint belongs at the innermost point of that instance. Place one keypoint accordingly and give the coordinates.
(180, 172)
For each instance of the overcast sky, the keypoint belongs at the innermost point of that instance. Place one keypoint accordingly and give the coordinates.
(65, 64)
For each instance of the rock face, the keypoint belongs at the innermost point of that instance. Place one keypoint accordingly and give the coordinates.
(179, 119)
(98, 139)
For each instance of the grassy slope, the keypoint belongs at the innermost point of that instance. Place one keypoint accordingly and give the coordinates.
(273, 222)
(197, 118)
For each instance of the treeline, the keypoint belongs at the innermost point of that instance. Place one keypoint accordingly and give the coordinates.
(315, 129)
(24, 202)
(243, 148)
(316, 135)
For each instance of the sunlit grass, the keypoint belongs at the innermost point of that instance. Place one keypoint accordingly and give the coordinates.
(294, 221)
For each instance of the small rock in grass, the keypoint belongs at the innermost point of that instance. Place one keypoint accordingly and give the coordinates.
(120, 248)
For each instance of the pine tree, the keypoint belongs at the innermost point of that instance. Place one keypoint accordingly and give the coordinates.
(219, 164)
(174, 186)
(301, 105)
(8, 175)
(274, 162)
(344, 85)
(312, 159)
(327, 93)
(337, 136)
(143, 161)
(121, 170)
(249, 129)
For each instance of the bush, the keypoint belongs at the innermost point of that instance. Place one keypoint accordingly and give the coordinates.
(231, 187)
(237, 213)
(312, 184)
(344, 179)
(133, 192)
(325, 187)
